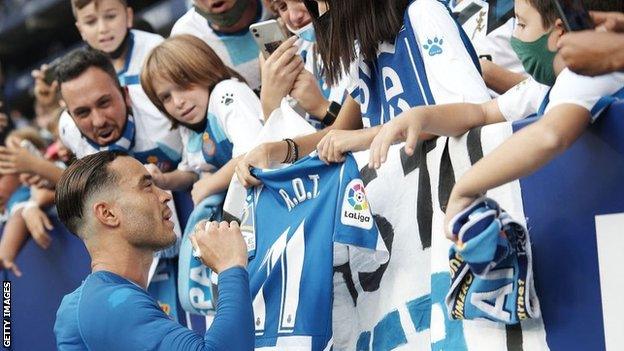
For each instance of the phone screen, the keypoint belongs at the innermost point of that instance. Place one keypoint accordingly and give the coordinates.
(574, 15)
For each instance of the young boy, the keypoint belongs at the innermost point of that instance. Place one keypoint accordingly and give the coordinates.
(567, 108)
(105, 25)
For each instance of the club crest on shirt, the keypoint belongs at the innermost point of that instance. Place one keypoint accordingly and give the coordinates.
(208, 146)
(355, 210)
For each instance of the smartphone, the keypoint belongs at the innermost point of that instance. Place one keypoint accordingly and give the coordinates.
(268, 35)
(574, 15)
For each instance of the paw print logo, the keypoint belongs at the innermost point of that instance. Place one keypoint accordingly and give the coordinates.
(434, 47)
(227, 99)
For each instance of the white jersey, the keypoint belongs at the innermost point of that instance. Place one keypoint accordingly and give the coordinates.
(237, 50)
(529, 97)
(233, 123)
(490, 29)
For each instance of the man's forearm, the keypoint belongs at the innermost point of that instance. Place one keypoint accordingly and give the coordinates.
(233, 327)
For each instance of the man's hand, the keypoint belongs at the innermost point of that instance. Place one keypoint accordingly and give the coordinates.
(38, 225)
(592, 53)
(611, 21)
(308, 94)
(221, 245)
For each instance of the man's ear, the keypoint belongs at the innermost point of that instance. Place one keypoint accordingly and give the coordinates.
(126, 95)
(129, 17)
(106, 214)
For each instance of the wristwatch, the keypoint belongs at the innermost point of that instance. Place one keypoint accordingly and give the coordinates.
(332, 113)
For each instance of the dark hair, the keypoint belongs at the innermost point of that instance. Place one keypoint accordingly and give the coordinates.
(80, 4)
(548, 10)
(604, 5)
(367, 22)
(77, 61)
(82, 179)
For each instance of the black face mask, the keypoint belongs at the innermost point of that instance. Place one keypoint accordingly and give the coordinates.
(115, 54)
(228, 18)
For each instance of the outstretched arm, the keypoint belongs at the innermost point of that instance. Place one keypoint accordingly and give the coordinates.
(522, 154)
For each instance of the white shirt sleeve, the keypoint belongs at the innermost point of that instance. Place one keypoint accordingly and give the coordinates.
(239, 112)
(70, 134)
(451, 73)
(522, 100)
(587, 92)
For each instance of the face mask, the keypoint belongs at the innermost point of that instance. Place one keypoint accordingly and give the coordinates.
(536, 58)
(227, 18)
(306, 32)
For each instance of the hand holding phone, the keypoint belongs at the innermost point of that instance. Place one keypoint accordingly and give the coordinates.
(574, 15)
(269, 35)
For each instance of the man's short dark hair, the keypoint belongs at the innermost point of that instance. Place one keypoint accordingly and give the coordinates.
(79, 182)
(76, 62)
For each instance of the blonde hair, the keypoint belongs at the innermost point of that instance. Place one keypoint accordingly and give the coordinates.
(184, 60)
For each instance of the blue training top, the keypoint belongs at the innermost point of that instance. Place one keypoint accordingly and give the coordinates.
(108, 312)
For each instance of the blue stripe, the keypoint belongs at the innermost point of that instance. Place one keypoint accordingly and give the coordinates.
(129, 80)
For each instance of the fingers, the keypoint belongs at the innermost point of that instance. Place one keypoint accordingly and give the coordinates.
(46, 222)
(244, 175)
(13, 267)
(410, 142)
(285, 46)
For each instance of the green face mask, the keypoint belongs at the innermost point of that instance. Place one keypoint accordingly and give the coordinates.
(536, 58)
(227, 18)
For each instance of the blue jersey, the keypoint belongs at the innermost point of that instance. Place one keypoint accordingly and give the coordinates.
(296, 216)
(430, 61)
(108, 312)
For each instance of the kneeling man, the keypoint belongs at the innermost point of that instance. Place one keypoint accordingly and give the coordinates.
(109, 200)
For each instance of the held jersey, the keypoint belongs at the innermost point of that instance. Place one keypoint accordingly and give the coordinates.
(430, 62)
(291, 225)
(233, 123)
(237, 50)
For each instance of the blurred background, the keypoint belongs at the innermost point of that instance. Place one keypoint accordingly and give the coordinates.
(34, 32)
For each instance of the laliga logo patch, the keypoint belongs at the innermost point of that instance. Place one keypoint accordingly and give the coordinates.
(355, 209)
(208, 146)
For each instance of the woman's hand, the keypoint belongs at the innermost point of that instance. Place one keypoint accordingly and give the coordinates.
(405, 127)
(308, 94)
(262, 156)
(279, 72)
(336, 143)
